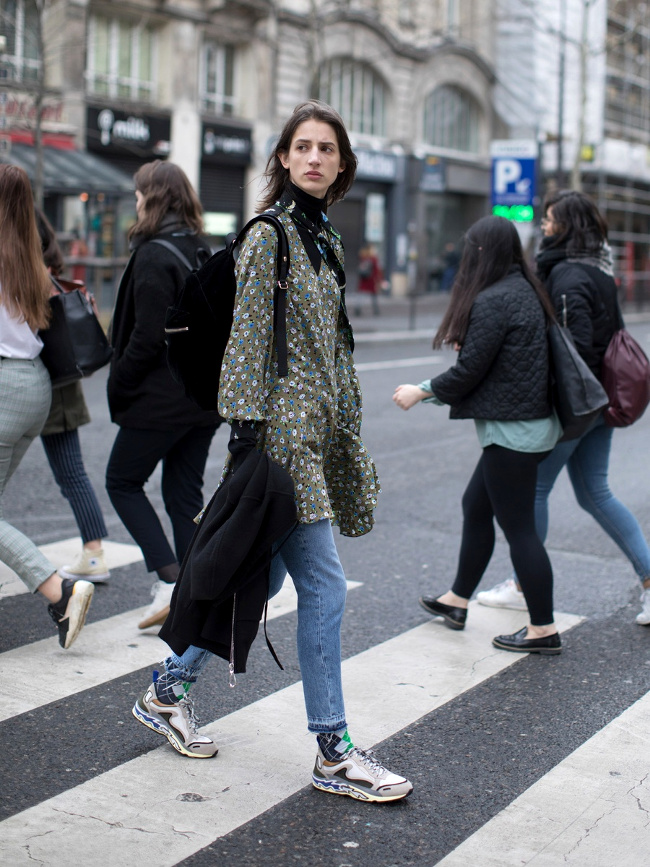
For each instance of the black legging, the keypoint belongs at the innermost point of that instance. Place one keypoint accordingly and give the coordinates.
(503, 487)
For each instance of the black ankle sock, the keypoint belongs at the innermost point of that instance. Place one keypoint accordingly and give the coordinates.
(169, 574)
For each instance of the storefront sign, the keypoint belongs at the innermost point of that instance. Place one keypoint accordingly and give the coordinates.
(226, 144)
(376, 165)
(434, 175)
(112, 131)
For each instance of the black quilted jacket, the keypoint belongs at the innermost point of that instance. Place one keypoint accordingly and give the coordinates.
(502, 370)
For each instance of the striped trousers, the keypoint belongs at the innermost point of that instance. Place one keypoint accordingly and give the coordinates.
(25, 397)
(63, 452)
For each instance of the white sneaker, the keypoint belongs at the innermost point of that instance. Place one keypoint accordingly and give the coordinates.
(90, 565)
(504, 595)
(156, 613)
(643, 619)
(359, 775)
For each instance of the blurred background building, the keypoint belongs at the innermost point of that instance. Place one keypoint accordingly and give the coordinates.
(98, 88)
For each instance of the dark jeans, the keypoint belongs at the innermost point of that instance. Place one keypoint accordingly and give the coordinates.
(134, 457)
(503, 487)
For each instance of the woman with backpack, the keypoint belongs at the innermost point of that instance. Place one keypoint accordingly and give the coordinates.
(26, 391)
(308, 426)
(157, 422)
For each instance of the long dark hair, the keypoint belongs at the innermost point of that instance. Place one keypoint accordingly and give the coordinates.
(582, 228)
(492, 247)
(276, 175)
(23, 275)
(165, 188)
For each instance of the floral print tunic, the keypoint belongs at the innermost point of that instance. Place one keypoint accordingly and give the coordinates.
(309, 421)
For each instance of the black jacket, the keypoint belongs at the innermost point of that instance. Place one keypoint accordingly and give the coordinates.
(502, 371)
(141, 391)
(593, 313)
(228, 562)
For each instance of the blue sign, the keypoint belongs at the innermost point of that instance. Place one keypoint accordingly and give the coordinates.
(513, 181)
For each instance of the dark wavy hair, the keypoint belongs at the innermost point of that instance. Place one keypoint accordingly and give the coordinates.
(582, 228)
(52, 254)
(492, 246)
(276, 175)
(165, 187)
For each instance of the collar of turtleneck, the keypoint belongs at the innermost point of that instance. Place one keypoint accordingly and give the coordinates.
(310, 205)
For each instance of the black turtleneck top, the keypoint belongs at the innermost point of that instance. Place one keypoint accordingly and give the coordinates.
(312, 208)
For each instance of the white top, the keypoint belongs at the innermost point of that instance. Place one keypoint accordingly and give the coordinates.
(17, 340)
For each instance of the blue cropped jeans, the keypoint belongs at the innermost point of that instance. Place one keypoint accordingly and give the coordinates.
(587, 462)
(308, 553)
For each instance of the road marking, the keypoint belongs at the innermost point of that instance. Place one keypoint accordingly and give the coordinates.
(180, 806)
(398, 362)
(105, 650)
(592, 808)
(63, 553)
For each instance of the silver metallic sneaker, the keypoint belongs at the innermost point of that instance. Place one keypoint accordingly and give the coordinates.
(643, 618)
(176, 722)
(360, 775)
(504, 595)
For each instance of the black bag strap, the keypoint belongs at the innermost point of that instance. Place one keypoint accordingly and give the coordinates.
(174, 249)
(280, 293)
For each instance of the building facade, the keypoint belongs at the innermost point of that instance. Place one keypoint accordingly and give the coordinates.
(208, 84)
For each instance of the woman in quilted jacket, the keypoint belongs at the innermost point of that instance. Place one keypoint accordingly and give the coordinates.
(575, 262)
(496, 319)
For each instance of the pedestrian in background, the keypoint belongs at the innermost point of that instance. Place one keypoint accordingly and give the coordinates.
(575, 263)
(157, 422)
(60, 438)
(27, 393)
(497, 318)
(308, 424)
(370, 275)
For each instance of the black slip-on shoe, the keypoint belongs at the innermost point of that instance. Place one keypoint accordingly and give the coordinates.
(454, 617)
(551, 645)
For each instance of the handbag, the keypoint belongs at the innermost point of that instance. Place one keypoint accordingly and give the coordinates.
(74, 344)
(625, 374)
(578, 396)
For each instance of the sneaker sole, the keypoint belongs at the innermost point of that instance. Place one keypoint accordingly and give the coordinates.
(519, 606)
(76, 612)
(100, 578)
(336, 787)
(156, 619)
(156, 726)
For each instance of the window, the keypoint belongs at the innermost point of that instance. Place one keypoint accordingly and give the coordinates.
(19, 60)
(217, 79)
(451, 119)
(121, 59)
(356, 92)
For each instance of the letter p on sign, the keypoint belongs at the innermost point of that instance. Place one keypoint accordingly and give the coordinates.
(506, 172)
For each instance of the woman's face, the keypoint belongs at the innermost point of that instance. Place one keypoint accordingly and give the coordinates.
(549, 226)
(313, 159)
(139, 203)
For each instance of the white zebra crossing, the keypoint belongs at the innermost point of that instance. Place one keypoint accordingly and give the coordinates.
(180, 806)
(105, 650)
(591, 810)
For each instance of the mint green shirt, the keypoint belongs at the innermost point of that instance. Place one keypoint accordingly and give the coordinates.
(527, 435)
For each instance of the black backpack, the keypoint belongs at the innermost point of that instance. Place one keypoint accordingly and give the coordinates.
(198, 327)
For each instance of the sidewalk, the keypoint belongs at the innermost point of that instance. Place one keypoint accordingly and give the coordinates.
(414, 318)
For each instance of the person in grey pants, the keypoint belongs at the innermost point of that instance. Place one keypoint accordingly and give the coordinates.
(26, 393)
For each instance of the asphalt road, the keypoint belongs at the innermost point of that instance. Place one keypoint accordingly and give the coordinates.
(468, 758)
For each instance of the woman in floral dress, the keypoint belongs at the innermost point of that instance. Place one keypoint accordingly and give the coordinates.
(308, 422)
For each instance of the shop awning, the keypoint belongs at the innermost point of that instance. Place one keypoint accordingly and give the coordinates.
(71, 172)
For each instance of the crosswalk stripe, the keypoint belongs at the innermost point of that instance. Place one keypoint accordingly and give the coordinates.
(182, 805)
(398, 362)
(105, 650)
(62, 553)
(592, 808)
